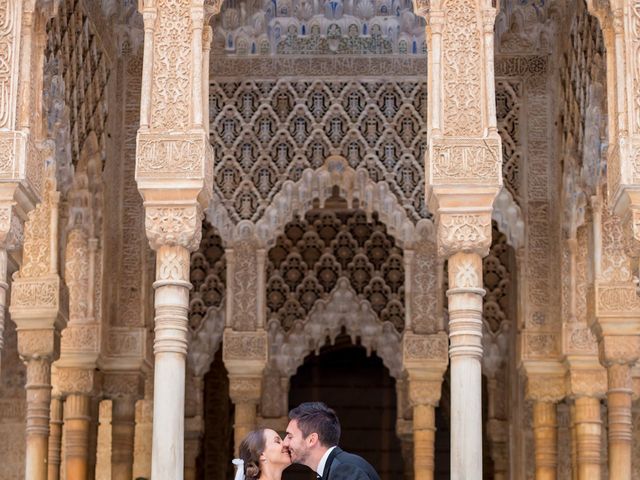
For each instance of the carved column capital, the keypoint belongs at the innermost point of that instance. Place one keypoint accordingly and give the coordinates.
(588, 379)
(176, 225)
(245, 353)
(619, 349)
(546, 388)
(123, 384)
(464, 177)
(75, 380)
(464, 232)
(245, 389)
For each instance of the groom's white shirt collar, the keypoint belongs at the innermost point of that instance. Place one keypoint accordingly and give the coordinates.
(323, 461)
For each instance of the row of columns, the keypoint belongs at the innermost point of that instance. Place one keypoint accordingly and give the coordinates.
(74, 419)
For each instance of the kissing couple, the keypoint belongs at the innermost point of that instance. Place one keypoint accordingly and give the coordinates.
(311, 439)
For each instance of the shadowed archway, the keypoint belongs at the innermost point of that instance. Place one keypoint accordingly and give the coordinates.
(363, 394)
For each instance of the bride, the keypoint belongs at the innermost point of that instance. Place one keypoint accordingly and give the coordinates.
(262, 456)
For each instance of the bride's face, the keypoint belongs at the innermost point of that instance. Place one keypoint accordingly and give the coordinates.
(274, 451)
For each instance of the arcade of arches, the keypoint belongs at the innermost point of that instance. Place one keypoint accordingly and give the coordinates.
(426, 213)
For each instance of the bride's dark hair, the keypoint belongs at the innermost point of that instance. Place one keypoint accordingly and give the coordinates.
(250, 450)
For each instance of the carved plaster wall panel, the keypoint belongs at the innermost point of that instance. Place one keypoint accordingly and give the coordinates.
(134, 248)
(312, 255)
(521, 85)
(270, 131)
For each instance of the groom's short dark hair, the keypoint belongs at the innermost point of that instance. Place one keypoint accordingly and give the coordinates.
(317, 417)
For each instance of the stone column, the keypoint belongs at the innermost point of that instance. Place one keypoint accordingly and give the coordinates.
(55, 437)
(586, 382)
(425, 359)
(424, 436)
(77, 422)
(463, 178)
(174, 173)
(123, 383)
(123, 426)
(465, 350)
(170, 349)
(79, 386)
(545, 387)
(245, 394)
(37, 431)
(588, 426)
(245, 357)
(619, 399)
(619, 345)
(39, 312)
(545, 434)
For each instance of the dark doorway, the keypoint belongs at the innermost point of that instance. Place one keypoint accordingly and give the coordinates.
(214, 461)
(361, 391)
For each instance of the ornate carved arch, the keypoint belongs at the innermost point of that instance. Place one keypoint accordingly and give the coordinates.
(356, 186)
(342, 309)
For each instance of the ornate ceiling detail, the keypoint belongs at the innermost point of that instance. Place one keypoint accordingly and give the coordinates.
(314, 253)
(268, 132)
(72, 42)
(325, 27)
(582, 114)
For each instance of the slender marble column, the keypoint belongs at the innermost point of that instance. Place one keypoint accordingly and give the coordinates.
(465, 351)
(38, 404)
(588, 427)
(545, 431)
(55, 438)
(170, 349)
(122, 437)
(77, 422)
(424, 435)
(619, 399)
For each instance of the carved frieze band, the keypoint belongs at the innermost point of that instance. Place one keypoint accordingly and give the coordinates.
(126, 342)
(418, 349)
(244, 346)
(30, 293)
(81, 338)
(540, 345)
(456, 161)
(617, 300)
(172, 157)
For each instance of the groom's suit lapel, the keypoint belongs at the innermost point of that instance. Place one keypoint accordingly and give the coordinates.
(327, 466)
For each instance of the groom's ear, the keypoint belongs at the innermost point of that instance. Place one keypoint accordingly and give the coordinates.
(312, 439)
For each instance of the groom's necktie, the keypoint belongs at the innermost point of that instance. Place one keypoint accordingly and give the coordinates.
(319, 476)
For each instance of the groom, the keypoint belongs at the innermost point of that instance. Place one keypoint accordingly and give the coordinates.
(312, 439)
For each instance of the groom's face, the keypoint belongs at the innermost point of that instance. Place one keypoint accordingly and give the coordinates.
(296, 443)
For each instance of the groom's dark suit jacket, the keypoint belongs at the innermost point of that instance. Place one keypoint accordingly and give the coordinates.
(346, 466)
